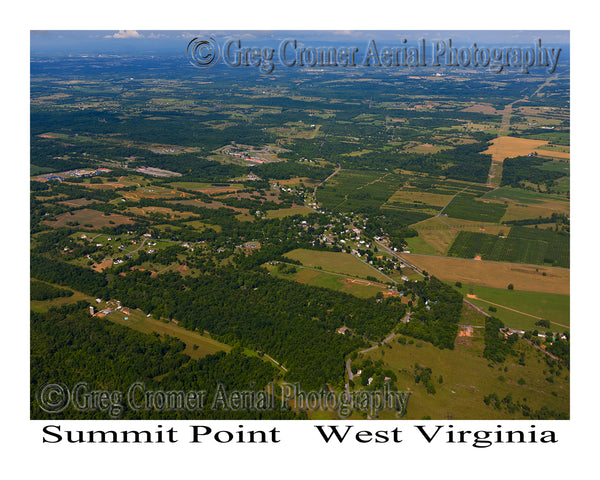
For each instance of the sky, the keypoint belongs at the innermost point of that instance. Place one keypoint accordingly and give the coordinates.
(169, 41)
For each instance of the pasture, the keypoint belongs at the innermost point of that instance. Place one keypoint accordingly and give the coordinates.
(467, 377)
(522, 307)
(336, 262)
(340, 283)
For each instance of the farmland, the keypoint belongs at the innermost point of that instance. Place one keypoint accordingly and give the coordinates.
(508, 147)
(467, 207)
(522, 245)
(521, 309)
(495, 274)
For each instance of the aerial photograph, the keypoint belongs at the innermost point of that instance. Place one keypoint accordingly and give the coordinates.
(299, 225)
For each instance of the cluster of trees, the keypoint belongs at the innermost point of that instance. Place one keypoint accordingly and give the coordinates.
(62, 273)
(294, 323)
(43, 291)
(497, 345)
(424, 375)
(68, 346)
(559, 218)
(436, 310)
(516, 171)
(511, 406)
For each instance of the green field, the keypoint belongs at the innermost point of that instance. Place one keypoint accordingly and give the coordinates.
(420, 246)
(467, 377)
(549, 306)
(520, 195)
(466, 207)
(332, 281)
(336, 262)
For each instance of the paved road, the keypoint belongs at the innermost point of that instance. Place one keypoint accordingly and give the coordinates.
(395, 254)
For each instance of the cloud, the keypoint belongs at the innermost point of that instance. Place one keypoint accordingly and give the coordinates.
(125, 34)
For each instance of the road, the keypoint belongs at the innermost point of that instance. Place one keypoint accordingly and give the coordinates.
(337, 170)
(496, 167)
(395, 254)
(275, 362)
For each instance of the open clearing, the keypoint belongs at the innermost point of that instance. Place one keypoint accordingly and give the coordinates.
(136, 320)
(356, 287)
(78, 202)
(467, 378)
(89, 219)
(287, 212)
(45, 305)
(479, 108)
(495, 274)
(335, 262)
(150, 211)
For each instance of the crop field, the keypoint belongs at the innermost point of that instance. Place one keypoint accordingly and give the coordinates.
(522, 211)
(510, 194)
(412, 201)
(336, 262)
(196, 345)
(467, 207)
(522, 245)
(467, 377)
(522, 204)
(358, 191)
(471, 226)
(413, 195)
(88, 219)
(523, 308)
(287, 212)
(509, 147)
(495, 274)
